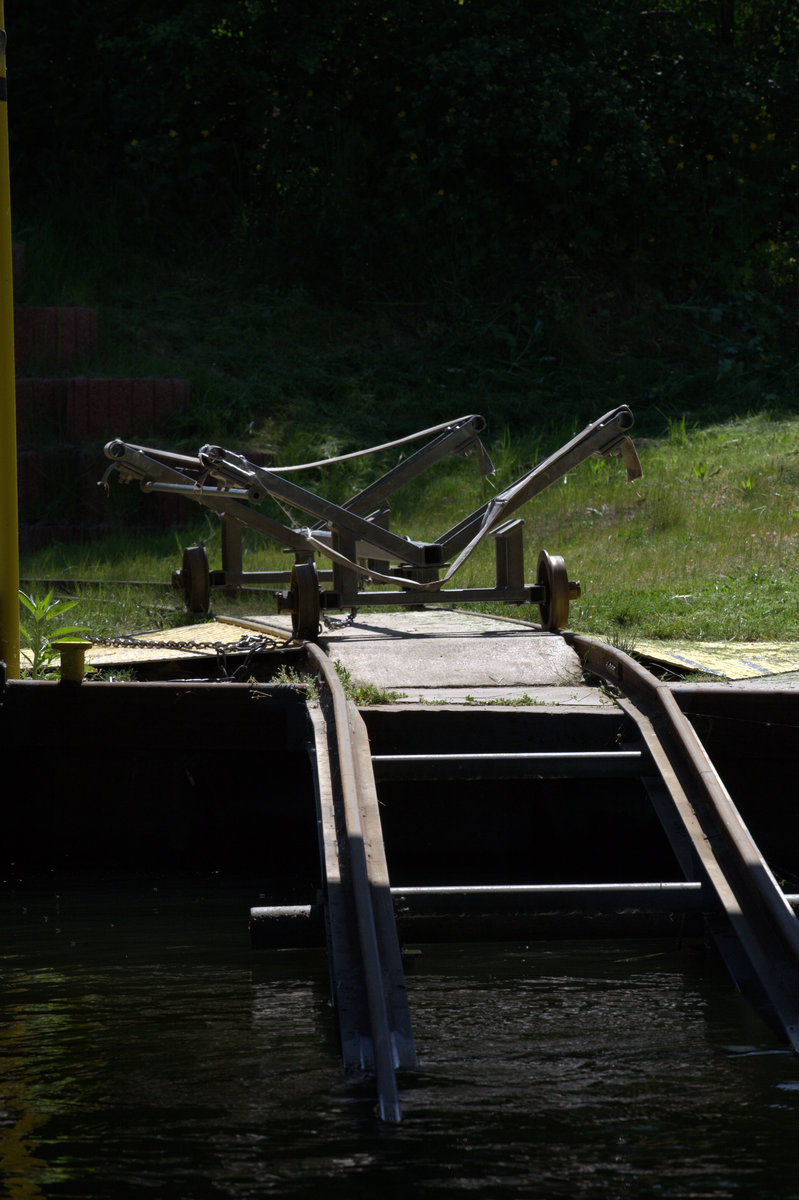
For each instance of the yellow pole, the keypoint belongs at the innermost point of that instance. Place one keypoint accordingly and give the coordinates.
(9, 521)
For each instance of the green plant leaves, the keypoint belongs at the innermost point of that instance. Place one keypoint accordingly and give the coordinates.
(40, 631)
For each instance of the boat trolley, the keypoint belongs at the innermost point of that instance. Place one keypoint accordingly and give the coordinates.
(356, 536)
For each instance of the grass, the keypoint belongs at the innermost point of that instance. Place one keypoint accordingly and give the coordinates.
(702, 548)
(367, 694)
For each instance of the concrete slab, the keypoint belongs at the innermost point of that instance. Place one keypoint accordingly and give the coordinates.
(456, 656)
(443, 648)
(517, 697)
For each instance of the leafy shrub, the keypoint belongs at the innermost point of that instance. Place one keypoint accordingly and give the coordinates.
(359, 143)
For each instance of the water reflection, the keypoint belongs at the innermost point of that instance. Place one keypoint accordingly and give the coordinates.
(146, 1051)
(20, 1116)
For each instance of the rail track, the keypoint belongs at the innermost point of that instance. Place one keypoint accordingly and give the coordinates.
(367, 980)
(727, 889)
(750, 919)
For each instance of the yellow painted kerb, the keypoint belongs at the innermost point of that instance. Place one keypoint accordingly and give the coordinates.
(9, 521)
(728, 660)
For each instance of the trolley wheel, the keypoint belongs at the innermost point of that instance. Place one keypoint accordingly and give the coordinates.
(552, 575)
(306, 607)
(196, 579)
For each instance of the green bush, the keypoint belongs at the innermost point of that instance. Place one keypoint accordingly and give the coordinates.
(365, 144)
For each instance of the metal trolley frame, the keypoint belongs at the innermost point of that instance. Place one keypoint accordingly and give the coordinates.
(356, 537)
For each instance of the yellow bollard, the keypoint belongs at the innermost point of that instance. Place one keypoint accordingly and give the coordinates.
(72, 653)
(9, 521)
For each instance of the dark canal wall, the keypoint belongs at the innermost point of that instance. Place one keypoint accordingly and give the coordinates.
(164, 775)
(178, 776)
(752, 736)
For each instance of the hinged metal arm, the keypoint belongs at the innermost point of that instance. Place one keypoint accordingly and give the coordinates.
(157, 471)
(258, 482)
(606, 436)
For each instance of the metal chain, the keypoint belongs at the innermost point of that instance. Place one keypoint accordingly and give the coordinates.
(247, 644)
(342, 623)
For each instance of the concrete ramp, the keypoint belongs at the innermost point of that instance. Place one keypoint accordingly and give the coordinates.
(432, 650)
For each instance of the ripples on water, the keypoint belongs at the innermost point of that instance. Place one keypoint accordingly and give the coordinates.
(145, 1051)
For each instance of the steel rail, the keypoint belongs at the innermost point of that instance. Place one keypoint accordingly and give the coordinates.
(759, 940)
(514, 911)
(539, 764)
(366, 877)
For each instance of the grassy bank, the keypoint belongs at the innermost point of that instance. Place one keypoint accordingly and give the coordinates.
(703, 547)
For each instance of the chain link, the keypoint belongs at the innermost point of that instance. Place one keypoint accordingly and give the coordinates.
(245, 645)
(339, 623)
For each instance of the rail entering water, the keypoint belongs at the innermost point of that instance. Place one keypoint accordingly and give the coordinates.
(751, 920)
(367, 980)
(727, 890)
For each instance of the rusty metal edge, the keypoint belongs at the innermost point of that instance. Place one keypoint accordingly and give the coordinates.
(755, 904)
(372, 965)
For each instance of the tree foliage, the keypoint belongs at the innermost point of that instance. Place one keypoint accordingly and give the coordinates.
(362, 141)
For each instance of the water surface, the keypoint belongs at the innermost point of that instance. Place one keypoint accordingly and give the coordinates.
(146, 1051)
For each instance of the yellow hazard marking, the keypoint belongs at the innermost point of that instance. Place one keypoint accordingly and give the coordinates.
(729, 660)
